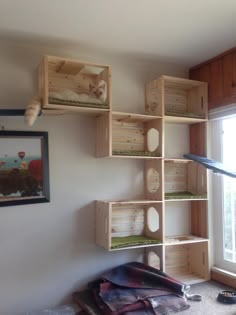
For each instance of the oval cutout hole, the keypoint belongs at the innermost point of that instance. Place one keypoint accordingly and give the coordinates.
(154, 260)
(152, 139)
(153, 181)
(153, 219)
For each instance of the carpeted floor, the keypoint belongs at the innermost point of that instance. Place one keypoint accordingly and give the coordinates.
(209, 304)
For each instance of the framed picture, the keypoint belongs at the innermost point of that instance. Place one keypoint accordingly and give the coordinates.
(24, 167)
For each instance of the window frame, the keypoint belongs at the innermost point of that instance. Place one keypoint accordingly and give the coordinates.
(217, 196)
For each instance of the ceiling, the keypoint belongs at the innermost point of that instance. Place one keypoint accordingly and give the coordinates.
(185, 32)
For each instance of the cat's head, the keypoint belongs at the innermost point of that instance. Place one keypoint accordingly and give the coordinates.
(102, 90)
(99, 90)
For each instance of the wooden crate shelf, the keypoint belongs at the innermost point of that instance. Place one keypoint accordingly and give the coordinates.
(184, 180)
(128, 135)
(190, 222)
(129, 224)
(188, 262)
(74, 85)
(135, 135)
(181, 100)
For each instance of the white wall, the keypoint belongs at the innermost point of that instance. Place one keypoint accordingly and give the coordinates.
(48, 250)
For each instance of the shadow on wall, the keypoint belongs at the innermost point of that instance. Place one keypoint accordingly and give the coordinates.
(85, 222)
(91, 260)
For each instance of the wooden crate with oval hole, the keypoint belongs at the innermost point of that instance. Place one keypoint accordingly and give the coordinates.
(129, 224)
(136, 135)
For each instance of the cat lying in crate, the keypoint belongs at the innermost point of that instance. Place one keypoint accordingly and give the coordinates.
(97, 94)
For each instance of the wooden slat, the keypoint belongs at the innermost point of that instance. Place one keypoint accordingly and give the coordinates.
(182, 83)
(133, 117)
(175, 177)
(175, 100)
(68, 67)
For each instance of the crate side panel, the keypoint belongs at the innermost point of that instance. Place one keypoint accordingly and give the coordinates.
(103, 233)
(154, 257)
(153, 103)
(199, 263)
(156, 124)
(198, 138)
(197, 179)
(103, 135)
(154, 180)
(197, 101)
(159, 233)
(199, 218)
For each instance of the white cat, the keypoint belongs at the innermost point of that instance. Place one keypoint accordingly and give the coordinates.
(32, 111)
(96, 94)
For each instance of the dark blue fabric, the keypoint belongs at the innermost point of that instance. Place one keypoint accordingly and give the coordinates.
(139, 275)
(213, 165)
(135, 287)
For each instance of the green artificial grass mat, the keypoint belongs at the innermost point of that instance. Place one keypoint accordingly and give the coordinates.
(53, 100)
(183, 195)
(135, 153)
(133, 240)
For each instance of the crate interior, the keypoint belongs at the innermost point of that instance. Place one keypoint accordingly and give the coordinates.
(132, 136)
(136, 225)
(79, 84)
(186, 221)
(184, 180)
(187, 262)
(185, 98)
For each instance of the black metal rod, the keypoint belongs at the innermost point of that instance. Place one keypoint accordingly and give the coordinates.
(12, 112)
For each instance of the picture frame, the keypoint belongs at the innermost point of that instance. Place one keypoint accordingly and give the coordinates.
(24, 167)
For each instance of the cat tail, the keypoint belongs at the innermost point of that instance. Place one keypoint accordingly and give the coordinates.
(32, 111)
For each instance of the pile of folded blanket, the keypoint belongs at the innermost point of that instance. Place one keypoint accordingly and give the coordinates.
(133, 289)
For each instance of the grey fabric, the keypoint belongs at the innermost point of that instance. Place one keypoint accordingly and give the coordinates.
(59, 310)
(209, 305)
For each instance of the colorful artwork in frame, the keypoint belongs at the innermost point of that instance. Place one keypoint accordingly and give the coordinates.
(24, 167)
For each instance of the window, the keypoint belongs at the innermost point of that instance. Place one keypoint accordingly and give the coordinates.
(224, 193)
